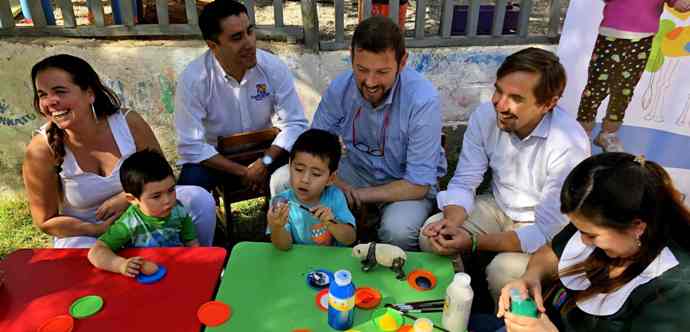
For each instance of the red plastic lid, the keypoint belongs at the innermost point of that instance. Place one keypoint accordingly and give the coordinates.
(406, 328)
(213, 313)
(62, 323)
(322, 299)
(367, 298)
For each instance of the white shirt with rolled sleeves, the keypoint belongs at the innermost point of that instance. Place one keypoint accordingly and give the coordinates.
(527, 174)
(209, 103)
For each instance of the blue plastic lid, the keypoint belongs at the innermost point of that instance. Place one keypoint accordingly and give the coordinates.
(151, 278)
(343, 278)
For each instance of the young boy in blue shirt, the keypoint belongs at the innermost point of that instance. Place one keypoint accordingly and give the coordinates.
(313, 210)
(154, 218)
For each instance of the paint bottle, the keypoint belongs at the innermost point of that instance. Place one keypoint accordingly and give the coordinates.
(456, 309)
(520, 306)
(341, 301)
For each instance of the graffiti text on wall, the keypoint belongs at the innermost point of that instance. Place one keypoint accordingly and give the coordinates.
(13, 121)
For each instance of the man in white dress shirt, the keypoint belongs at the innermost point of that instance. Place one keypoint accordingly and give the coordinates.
(530, 145)
(233, 88)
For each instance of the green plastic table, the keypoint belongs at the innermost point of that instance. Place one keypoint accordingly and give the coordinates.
(267, 289)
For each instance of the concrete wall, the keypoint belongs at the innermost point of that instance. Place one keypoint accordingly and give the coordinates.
(144, 73)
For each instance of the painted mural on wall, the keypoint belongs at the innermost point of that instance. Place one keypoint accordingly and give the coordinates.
(657, 123)
(144, 83)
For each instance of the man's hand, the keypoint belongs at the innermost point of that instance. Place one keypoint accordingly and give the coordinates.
(682, 6)
(278, 215)
(131, 266)
(451, 240)
(323, 213)
(257, 174)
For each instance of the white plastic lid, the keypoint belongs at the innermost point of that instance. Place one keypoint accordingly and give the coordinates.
(462, 278)
(343, 277)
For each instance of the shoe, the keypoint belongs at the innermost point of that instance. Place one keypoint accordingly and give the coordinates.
(609, 142)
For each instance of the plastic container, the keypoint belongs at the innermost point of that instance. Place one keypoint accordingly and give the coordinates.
(423, 325)
(456, 309)
(341, 301)
(520, 306)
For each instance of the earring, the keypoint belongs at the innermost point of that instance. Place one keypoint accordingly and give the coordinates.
(638, 243)
(93, 111)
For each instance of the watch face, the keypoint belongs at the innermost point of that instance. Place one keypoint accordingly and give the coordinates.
(267, 160)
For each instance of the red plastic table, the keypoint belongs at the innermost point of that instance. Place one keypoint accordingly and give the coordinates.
(42, 283)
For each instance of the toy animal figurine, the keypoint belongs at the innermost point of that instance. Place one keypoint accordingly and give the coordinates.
(383, 254)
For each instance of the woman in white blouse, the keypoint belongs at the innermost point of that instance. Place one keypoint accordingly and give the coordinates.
(622, 264)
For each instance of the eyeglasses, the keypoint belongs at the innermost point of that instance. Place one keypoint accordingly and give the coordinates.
(376, 152)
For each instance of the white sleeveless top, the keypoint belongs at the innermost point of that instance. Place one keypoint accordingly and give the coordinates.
(84, 192)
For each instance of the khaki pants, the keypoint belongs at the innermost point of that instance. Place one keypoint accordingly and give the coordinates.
(488, 218)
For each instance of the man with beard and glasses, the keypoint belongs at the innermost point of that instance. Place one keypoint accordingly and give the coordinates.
(389, 118)
(233, 88)
(530, 145)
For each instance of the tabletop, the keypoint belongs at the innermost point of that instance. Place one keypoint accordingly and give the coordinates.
(267, 289)
(43, 283)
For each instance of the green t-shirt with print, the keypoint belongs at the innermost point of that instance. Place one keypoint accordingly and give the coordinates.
(135, 229)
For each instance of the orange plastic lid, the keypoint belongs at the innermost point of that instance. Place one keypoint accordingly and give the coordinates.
(367, 298)
(62, 323)
(406, 328)
(213, 313)
(421, 280)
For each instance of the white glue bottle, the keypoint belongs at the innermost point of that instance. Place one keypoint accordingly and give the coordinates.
(456, 309)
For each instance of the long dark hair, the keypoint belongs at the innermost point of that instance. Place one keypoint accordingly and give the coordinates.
(612, 190)
(83, 75)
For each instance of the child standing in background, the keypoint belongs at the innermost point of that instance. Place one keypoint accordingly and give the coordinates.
(313, 210)
(619, 58)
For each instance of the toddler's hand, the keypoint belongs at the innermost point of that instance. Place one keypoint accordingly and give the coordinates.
(131, 266)
(278, 215)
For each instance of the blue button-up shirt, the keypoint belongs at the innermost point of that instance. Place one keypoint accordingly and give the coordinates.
(410, 118)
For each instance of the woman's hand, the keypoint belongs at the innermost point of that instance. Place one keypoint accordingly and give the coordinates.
(516, 323)
(112, 208)
(527, 287)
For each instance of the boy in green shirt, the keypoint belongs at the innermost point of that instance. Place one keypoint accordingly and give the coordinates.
(154, 219)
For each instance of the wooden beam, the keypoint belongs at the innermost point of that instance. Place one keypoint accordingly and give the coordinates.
(447, 17)
(455, 41)
(523, 20)
(394, 11)
(555, 18)
(162, 12)
(96, 9)
(126, 12)
(366, 10)
(190, 9)
(68, 19)
(420, 19)
(6, 17)
(499, 17)
(278, 13)
(263, 32)
(339, 21)
(37, 14)
(473, 18)
(310, 21)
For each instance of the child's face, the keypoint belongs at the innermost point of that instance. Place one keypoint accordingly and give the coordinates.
(157, 198)
(309, 175)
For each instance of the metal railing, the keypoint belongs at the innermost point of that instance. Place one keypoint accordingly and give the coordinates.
(459, 25)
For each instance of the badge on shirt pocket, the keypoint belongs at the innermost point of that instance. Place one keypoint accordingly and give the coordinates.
(261, 92)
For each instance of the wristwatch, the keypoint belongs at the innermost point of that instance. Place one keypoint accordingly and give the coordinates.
(267, 160)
